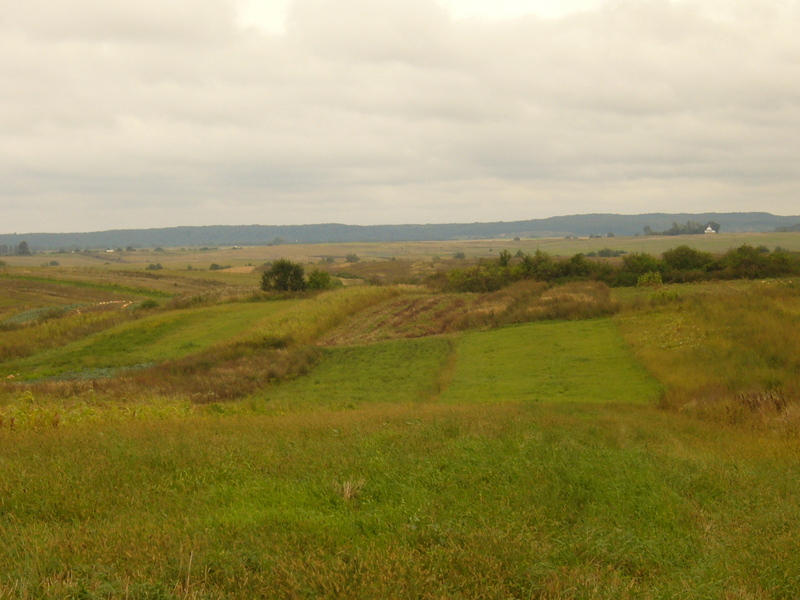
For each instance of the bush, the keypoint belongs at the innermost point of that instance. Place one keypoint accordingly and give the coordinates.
(684, 258)
(154, 267)
(352, 258)
(320, 280)
(641, 263)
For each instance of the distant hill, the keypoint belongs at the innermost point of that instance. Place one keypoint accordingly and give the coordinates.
(250, 235)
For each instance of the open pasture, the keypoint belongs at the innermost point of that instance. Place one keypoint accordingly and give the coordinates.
(515, 444)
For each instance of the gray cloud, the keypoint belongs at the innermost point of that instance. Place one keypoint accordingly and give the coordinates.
(142, 114)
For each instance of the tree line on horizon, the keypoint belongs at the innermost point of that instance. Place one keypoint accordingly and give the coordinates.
(682, 264)
(21, 249)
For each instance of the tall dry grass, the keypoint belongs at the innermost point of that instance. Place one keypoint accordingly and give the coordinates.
(724, 354)
(537, 301)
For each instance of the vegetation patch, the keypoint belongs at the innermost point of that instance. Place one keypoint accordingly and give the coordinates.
(713, 347)
(152, 339)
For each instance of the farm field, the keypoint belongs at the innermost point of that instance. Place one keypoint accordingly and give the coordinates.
(540, 441)
(128, 266)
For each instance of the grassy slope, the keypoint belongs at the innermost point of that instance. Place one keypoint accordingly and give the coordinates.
(149, 340)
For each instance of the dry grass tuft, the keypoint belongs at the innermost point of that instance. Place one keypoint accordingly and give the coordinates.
(350, 488)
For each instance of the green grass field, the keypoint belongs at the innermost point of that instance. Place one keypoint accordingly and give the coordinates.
(426, 501)
(649, 454)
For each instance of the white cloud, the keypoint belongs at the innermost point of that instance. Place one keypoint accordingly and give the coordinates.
(137, 114)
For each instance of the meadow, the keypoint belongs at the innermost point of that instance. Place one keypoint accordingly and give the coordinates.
(201, 439)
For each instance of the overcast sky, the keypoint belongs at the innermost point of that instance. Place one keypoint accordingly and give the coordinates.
(154, 113)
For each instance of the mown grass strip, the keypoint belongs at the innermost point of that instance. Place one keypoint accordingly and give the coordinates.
(394, 371)
(573, 361)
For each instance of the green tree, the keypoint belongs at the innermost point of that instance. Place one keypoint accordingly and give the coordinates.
(284, 276)
(23, 249)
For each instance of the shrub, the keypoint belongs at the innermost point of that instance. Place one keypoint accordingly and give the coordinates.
(154, 267)
(650, 279)
(352, 258)
(539, 266)
(319, 280)
(684, 258)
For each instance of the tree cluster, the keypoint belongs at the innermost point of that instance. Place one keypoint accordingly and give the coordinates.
(22, 249)
(690, 228)
(287, 276)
